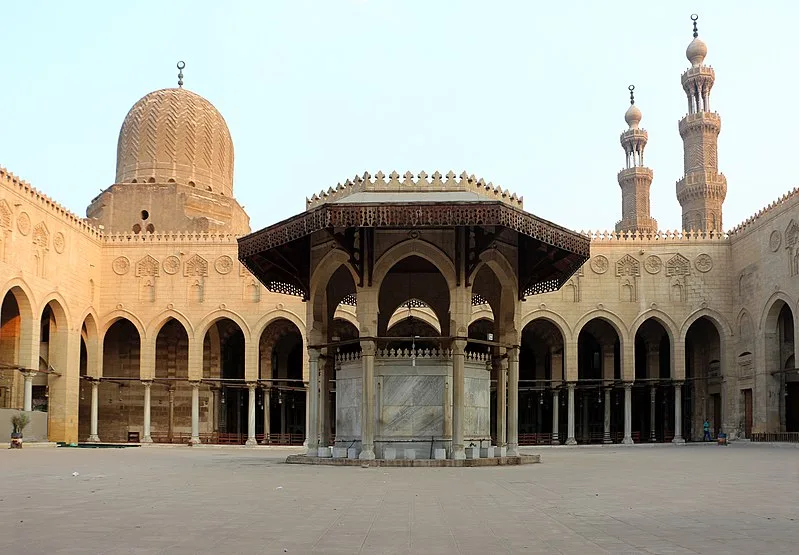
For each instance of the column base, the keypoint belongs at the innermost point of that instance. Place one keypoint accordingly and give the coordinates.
(571, 441)
(627, 441)
(195, 441)
(555, 440)
(311, 451)
(94, 438)
(458, 453)
(367, 455)
(250, 442)
(678, 441)
(653, 439)
(606, 440)
(147, 439)
(513, 449)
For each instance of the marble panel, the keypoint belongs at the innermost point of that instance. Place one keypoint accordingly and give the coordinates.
(396, 421)
(348, 422)
(428, 421)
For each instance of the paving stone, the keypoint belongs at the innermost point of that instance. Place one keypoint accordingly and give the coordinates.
(638, 500)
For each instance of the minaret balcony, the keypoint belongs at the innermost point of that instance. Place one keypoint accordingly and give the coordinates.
(634, 134)
(635, 173)
(700, 121)
(702, 185)
(693, 73)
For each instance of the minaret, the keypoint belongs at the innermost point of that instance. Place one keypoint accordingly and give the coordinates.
(635, 179)
(702, 190)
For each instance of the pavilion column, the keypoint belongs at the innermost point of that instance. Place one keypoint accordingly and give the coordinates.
(325, 373)
(93, 436)
(652, 399)
(251, 415)
(27, 403)
(368, 348)
(267, 414)
(147, 437)
(606, 436)
(313, 403)
(171, 428)
(458, 384)
(502, 406)
(570, 440)
(195, 413)
(513, 401)
(678, 414)
(628, 417)
(555, 414)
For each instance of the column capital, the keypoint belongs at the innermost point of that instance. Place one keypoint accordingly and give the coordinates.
(147, 383)
(194, 383)
(314, 354)
(252, 385)
(571, 385)
(368, 347)
(628, 385)
(29, 374)
(458, 347)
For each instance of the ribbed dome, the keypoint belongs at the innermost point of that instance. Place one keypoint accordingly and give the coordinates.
(696, 52)
(633, 116)
(174, 135)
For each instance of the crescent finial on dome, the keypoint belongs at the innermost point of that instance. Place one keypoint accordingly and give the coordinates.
(697, 50)
(181, 65)
(633, 115)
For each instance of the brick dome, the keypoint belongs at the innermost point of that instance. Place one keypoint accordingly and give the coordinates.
(175, 135)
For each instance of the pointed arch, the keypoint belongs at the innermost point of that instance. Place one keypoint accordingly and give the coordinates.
(660, 317)
(219, 314)
(121, 314)
(722, 326)
(276, 314)
(155, 325)
(769, 305)
(414, 247)
(553, 317)
(610, 317)
(501, 267)
(425, 315)
(61, 303)
(23, 295)
(480, 312)
(344, 313)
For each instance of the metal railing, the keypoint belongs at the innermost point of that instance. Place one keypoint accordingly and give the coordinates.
(789, 437)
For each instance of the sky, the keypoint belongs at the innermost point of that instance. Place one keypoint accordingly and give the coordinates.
(527, 95)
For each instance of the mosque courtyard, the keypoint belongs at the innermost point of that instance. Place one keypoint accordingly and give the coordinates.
(693, 499)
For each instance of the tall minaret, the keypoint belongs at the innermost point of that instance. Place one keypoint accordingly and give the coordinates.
(635, 179)
(702, 190)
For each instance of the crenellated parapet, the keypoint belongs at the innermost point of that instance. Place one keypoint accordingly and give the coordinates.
(750, 222)
(169, 237)
(410, 183)
(25, 189)
(672, 236)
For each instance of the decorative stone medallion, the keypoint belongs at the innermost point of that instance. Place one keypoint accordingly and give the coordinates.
(653, 264)
(24, 223)
(171, 264)
(599, 264)
(223, 264)
(703, 263)
(774, 241)
(121, 265)
(59, 243)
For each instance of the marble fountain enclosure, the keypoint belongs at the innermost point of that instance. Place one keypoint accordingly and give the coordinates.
(411, 394)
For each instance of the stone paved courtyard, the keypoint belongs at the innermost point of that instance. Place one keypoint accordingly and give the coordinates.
(700, 499)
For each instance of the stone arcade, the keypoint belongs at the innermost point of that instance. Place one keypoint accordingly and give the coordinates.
(138, 323)
(446, 244)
